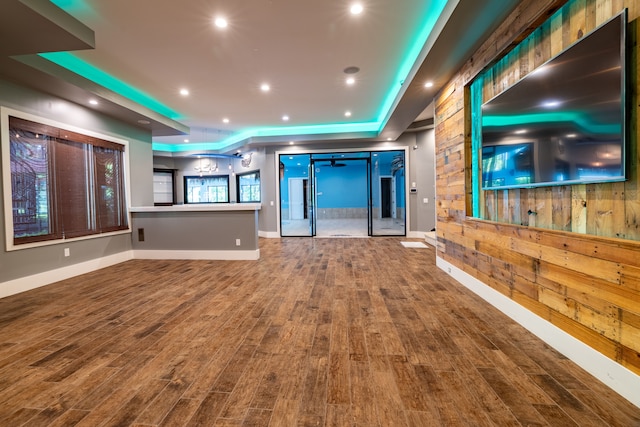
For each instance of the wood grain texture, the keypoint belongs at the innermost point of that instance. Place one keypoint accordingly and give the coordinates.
(335, 332)
(569, 253)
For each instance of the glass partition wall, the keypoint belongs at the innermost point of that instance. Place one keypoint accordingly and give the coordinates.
(296, 201)
(355, 194)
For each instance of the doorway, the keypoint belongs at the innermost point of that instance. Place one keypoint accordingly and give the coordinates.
(298, 196)
(342, 196)
(386, 197)
(349, 194)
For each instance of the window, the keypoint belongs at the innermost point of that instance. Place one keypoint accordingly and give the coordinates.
(63, 184)
(206, 189)
(163, 187)
(248, 185)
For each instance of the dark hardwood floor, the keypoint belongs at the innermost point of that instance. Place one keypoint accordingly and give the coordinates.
(336, 332)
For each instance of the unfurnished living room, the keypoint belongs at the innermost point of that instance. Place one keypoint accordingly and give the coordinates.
(337, 213)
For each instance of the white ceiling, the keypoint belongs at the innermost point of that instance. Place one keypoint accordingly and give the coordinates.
(300, 47)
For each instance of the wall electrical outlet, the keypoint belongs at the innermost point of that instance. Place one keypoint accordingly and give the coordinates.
(67, 252)
(237, 242)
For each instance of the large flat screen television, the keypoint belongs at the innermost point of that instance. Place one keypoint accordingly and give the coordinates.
(563, 123)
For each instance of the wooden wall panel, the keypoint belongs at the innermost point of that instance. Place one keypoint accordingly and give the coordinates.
(570, 254)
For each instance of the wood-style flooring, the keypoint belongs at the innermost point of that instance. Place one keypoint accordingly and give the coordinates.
(335, 332)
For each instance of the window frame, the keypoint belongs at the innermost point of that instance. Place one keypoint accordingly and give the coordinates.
(54, 238)
(238, 176)
(186, 188)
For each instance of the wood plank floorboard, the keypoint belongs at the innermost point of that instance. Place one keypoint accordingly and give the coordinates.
(318, 332)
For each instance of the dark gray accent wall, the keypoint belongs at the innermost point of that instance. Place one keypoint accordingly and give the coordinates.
(25, 262)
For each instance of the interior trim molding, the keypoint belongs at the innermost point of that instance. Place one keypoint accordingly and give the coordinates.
(250, 255)
(620, 379)
(27, 283)
(416, 234)
(269, 234)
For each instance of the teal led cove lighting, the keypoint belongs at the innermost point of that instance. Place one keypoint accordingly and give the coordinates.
(90, 72)
(433, 14)
(430, 11)
(271, 132)
(71, 5)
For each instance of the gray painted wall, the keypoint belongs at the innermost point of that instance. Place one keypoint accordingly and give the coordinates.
(421, 171)
(25, 262)
(425, 168)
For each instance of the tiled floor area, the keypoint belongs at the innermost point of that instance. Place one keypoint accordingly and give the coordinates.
(344, 227)
(317, 332)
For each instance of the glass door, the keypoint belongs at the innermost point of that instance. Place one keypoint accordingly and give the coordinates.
(296, 195)
(388, 193)
(342, 194)
(355, 194)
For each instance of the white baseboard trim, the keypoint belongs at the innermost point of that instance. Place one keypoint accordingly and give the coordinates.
(415, 234)
(269, 234)
(430, 238)
(198, 255)
(621, 380)
(23, 284)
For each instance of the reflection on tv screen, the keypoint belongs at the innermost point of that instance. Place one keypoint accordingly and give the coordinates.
(564, 122)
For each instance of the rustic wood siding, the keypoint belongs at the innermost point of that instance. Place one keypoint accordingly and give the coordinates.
(576, 262)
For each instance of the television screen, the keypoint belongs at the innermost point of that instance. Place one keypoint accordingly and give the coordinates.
(563, 123)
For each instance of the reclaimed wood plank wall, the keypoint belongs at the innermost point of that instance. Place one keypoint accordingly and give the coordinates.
(576, 263)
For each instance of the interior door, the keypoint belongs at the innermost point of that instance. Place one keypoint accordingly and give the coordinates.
(296, 201)
(389, 196)
(297, 198)
(385, 197)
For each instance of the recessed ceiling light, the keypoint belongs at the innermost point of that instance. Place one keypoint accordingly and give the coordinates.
(347, 113)
(291, 142)
(186, 140)
(93, 102)
(144, 122)
(221, 22)
(265, 87)
(184, 92)
(553, 103)
(285, 118)
(225, 120)
(356, 9)
(428, 84)
(520, 131)
(350, 81)
(389, 139)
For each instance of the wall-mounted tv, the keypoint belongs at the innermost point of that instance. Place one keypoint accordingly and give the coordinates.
(563, 123)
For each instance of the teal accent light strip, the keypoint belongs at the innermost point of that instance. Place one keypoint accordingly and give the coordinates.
(71, 5)
(73, 63)
(432, 15)
(267, 132)
(476, 142)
